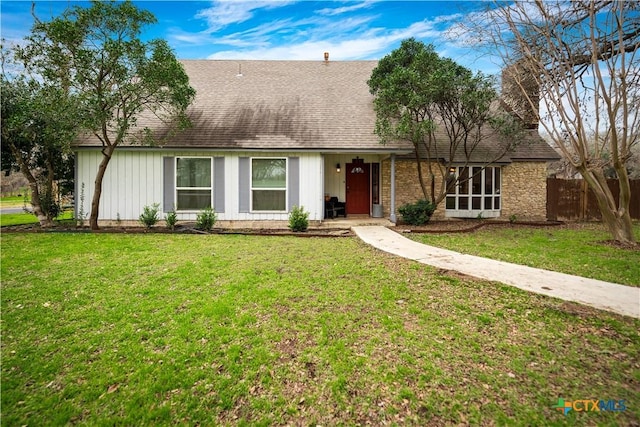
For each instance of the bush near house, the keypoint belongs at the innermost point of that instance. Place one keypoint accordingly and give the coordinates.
(149, 216)
(418, 213)
(206, 219)
(171, 219)
(298, 219)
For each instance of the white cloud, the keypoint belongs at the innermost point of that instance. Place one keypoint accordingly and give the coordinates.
(182, 37)
(225, 12)
(328, 11)
(289, 31)
(348, 31)
(371, 44)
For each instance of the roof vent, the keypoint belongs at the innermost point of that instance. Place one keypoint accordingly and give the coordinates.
(326, 57)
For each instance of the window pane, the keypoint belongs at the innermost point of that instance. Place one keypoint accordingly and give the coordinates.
(451, 183)
(463, 203)
(269, 200)
(496, 204)
(477, 181)
(463, 187)
(488, 202)
(269, 173)
(192, 172)
(488, 181)
(451, 203)
(497, 179)
(193, 200)
(476, 203)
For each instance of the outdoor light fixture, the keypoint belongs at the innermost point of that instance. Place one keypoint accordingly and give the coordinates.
(338, 167)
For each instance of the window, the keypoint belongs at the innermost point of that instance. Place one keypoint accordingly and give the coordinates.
(474, 190)
(269, 184)
(193, 183)
(375, 183)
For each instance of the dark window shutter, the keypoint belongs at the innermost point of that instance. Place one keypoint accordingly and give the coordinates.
(294, 182)
(218, 184)
(244, 180)
(169, 182)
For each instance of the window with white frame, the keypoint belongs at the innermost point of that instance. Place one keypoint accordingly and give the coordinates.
(473, 188)
(194, 190)
(269, 184)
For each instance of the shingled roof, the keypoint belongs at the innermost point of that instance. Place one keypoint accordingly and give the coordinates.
(301, 105)
(282, 105)
(529, 146)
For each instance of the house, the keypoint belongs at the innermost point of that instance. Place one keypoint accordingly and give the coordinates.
(268, 135)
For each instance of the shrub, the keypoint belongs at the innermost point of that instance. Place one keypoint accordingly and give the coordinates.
(171, 219)
(298, 219)
(149, 216)
(206, 219)
(417, 213)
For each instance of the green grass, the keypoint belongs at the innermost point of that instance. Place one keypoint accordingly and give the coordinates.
(21, 218)
(573, 249)
(24, 218)
(12, 202)
(151, 329)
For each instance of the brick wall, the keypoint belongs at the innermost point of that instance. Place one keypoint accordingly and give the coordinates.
(524, 188)
(407, 185)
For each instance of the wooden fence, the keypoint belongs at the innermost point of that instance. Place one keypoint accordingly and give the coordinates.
(571, 199)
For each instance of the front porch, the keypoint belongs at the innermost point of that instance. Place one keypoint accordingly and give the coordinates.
(353, 182)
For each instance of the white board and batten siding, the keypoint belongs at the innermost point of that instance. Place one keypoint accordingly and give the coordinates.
(135, 179)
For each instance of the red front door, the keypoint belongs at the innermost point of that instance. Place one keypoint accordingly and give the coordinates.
(358, 188)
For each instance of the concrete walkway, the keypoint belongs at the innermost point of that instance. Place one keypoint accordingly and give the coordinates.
(596, 293)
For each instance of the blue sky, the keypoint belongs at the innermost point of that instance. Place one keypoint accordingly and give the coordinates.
(286, 30)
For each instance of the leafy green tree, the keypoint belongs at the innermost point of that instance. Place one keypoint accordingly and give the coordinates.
(442, 108)
(117, 76)
(38, 126)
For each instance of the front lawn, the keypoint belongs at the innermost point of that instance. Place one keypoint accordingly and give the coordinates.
(157, 329)
(24, 218)
(576, 248)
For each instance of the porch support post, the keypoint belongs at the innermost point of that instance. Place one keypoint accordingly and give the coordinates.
(392, 207)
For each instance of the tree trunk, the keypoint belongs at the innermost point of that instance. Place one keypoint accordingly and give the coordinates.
(619, 225)
(420, 176)
(45, 221)
(97, 190)
(617, 218)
